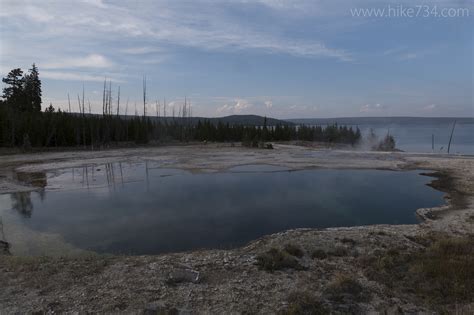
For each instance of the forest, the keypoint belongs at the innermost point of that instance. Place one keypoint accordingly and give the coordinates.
(24, 124)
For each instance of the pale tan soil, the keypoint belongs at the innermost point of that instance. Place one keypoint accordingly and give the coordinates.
(229, 280)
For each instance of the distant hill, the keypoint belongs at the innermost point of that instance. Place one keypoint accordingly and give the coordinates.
(382, 120)
(253, 120)
(247, 120)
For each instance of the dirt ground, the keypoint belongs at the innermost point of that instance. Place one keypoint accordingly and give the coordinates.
(339, 270)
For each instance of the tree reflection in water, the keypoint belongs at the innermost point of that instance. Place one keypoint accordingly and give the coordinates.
(4, 245)
(36, 179)
(21, 202)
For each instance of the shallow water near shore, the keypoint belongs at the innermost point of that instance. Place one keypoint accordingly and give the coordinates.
(141, 208)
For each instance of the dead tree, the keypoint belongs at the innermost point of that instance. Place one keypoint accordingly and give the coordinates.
(164, 108)
(103, 98)
(451, 137)
(144, 96)
(110, 98)
(118, 101)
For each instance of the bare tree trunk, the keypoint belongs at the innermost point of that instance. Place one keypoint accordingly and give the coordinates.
(184, 108)
(118, 101)
(83, 105)
(103, 98)
(90, 124)
(451, 137)
(83, 118)
(110, 98)
(144, 96)
(164, 108)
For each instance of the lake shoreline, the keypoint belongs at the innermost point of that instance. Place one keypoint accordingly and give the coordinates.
(229, 281)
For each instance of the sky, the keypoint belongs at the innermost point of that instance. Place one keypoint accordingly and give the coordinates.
(283, 59)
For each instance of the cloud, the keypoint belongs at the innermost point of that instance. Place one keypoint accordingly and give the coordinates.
(240, 106)
(96, 3)
(299, 107)
(224, 108)
(153, 61)
(415, 54)
(141, 50)
(404, 54)
(373, 108)
(408, 56)
(392, 51)
(206, 25)
(430, 107)
(90, 61)
(37, 14)
(74, 76)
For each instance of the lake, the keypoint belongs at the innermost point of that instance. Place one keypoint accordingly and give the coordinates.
(125, 208)
(418, 138)
(412, 134)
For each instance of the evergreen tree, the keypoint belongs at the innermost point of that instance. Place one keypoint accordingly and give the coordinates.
(33, 90)
(50, 108)
(13, 93)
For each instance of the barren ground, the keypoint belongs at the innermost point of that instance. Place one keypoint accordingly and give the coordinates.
(354, 273)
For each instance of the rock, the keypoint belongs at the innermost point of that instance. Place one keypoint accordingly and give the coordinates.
(183, 275)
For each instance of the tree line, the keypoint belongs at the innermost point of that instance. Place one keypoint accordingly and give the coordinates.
(23, 124)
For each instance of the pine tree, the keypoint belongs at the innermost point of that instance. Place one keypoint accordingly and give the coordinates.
(50, 108)
(33, 90)
(13, 93)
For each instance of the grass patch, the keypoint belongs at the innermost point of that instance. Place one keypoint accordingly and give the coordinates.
(349, 241)
(381, 233)
(319, 254)
(338, 251)
(447, 267)
(275, 259)
(441, 274)
(304, 303)
(52, 271)
(344, 286)
(294, 250)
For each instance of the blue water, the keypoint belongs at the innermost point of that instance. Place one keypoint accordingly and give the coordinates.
(418, 138)
(412, 134)
(136, 209)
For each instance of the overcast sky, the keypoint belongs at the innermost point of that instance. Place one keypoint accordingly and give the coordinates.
(285, 59)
